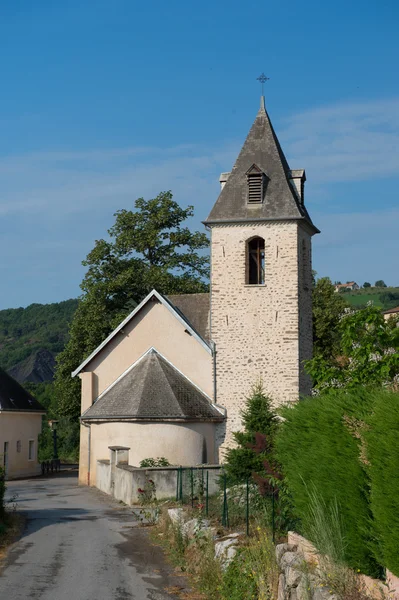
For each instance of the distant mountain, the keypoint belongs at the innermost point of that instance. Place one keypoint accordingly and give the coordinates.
(37, 368)
(31, 337)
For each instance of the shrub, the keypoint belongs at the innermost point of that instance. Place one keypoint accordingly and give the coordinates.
(257, 417)
(382, 449)
(147, 463)
(320, 444)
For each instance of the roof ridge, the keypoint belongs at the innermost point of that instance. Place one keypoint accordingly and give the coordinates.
(159, 361)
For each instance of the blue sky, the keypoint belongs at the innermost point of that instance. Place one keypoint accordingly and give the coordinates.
(102, 102)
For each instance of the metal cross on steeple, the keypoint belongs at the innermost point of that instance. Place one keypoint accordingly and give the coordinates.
(262, 78)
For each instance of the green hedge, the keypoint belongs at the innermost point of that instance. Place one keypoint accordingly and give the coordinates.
(382, 440)
(318, 447)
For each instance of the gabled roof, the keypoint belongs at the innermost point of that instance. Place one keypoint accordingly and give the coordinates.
(261, 148)
(152, 388)
(153, 295)
(195, 309)
(13, 397)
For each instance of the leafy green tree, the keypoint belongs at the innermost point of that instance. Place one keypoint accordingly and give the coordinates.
(367, 354)
(258, 417)
(148, 248)
(328, 308)
(380, 283)
(366, 284)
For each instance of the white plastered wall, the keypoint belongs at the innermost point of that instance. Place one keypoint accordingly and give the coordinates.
(20, 427)
(185, 444)
(154, 326)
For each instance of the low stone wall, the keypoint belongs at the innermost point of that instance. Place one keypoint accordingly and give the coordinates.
(302, 579)
(123, 481)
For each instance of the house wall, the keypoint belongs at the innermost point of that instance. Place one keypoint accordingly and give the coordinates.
(14, 427)
(260, 331)
(153, 326)
(181, 443)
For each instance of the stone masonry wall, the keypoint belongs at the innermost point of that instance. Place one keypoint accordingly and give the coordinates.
(305, 308)
(256, 327)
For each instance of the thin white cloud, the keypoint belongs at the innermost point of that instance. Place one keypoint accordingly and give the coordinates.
(64, 183)
(363, 246)
(345, 142)
(54, 204)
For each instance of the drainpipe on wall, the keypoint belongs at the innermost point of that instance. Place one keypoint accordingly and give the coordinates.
(88, 452)
(214, 372)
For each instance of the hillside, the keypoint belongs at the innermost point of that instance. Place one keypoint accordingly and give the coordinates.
(26, 333)
(383, 297)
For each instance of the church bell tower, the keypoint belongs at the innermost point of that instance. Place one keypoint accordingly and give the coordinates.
(261, 277)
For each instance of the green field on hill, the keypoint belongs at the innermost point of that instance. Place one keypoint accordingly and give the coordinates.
(383, 297)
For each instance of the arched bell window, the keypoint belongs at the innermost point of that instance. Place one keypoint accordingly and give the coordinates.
(256, 261)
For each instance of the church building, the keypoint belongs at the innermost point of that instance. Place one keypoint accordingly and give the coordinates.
(172, 378)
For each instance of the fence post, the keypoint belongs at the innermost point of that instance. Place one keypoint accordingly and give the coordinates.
(192, 487)
(177, 483)
(247, 514)
(207, 493)
(181, 485)
(225, 519)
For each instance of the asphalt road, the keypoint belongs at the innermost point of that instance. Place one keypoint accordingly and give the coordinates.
(79, 544)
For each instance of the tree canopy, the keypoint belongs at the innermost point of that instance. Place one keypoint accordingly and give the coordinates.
(367, 353)
(328, 308)
(149, 247)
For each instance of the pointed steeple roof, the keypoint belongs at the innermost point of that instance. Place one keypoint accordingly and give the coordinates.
(280, 198)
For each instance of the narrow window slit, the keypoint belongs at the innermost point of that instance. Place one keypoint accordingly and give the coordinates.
(256, 261)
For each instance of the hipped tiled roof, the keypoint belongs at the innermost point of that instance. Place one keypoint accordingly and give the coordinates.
(280, 202)
(153, 389)
(13, 397)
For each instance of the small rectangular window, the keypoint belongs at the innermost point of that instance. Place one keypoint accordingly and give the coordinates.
(31, 455)
(256, 261)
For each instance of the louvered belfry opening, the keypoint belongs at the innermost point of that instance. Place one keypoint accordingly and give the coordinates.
(255, 180)
(256, 261)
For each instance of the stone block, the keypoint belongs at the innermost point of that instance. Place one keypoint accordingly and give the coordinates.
(282, 549)
(176, 515)
(225, 551)
(194, 526)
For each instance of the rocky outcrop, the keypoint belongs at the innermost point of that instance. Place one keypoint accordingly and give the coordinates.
(37, 368)
(225, 546)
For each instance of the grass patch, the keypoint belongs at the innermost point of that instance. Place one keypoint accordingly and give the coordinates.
(252, 574)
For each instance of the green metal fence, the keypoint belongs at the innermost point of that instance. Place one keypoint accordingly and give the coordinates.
(234, 506)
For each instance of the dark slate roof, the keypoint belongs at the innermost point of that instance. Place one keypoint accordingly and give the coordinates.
(194, 308)
(13, 397)
(263, 149)
(153, 389)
